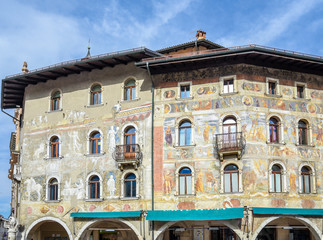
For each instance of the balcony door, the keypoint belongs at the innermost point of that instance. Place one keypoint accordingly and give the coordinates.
(130, 141)
(229, 132)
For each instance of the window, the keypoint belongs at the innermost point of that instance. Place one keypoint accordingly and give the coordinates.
(271, 87)
(185, 133)
(54, 147)
(276, 178)
(53, 190)
(130, 90)
(305, 180)
(228, 86)
(231, 179)
(273, 130)
(96, 95)
(130, 141)
(229, 132)
(185, 181)
(94, 187)
(55, 101)
(302, 133)
(130, 185)
(95, 143)
(300, 91)
(185, 91)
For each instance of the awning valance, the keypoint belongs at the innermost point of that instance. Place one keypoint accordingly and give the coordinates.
(105, 214)
(194, 215)
(287, 211)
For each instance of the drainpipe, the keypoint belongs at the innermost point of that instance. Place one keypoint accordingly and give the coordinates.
(152, 143)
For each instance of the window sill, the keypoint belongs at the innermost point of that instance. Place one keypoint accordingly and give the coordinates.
(303, 99)
(231, 193)
(275, 144)
(184, 99)
(184, 146)
(306, 194)
(273, 95)
(279, 193)
(53, 158)
(129, 198)
(130, 100)
(55, 111)
(228, 94)
(94, 199)
(94, 105)
(95, 155)
(305, 145)
(52, 201)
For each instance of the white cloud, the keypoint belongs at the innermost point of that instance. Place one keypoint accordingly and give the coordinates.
(271, 25)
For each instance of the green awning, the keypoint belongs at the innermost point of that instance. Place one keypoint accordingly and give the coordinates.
(194, 215)
(105, 214)
(288, 211)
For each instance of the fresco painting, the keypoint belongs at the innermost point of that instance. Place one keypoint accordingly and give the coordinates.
(206, 90)
(169, 94)
(169, 182)
(287, 91)
(317, 95)
(227, 102)
(251, 87)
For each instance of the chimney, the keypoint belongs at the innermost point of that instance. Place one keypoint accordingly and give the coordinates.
(200, 35)
(24, 68)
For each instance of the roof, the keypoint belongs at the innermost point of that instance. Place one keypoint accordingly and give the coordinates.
(253, 54)
(201, 42)
(13, 87)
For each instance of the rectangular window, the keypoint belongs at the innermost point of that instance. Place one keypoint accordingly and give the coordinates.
(228, 86)
(300, 91)
(272, 88)
(185, 91)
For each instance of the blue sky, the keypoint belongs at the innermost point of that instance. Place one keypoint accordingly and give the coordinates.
(45, 32)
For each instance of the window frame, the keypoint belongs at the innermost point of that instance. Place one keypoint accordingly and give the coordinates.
(230, 172)
(88, 187)
(312, 179)
(309, 134)
(188, 136)
(98, 96)
(179, 92)
(283, 176)
(240, 181)
(124, 90)
(54, 145)
(270, 81)
(133, 185)
(225, 79)
(177, 132)
(304, 86)
(280, 132)
(98, 143)
(55, 103)
(122, 184)
(187, 191)
(177, 181)
(48, 189)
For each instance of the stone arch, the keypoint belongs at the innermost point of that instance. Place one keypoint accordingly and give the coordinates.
(89, 223)
(311, 226)
(44, 219)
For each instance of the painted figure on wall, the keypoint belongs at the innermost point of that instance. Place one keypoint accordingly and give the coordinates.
(111, 186)
(112, 137)
(168, 136)
(168, 182)
(32, 186)
(169, 94)
(206, 132)
(199, 183)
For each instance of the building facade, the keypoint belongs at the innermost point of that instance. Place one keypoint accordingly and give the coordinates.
(195, 141)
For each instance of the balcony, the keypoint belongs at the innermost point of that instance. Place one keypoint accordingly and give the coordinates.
(230, 144)
(129, 154)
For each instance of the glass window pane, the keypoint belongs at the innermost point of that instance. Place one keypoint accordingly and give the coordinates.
(231, 88)
(307, 184)
(235, 182)
(92, 190)
(227, 183)
(127, 189)
(98, 190)
(182, 137)
(188, 136)
(278, 182)
(134, 184)
(273, 182)
(128, 94)
(189, 184)
(182, 185)
(133, 93)
(94, 146)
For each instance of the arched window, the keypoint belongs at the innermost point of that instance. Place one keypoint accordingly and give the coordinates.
(305, 180)
(185, 133)
(95, 143)
(229, 132)
(55, 101)
(276, 178)
(273, 130)
(94, 187)
(130, 90)
(129, 142)
(53, 189)
(185, 181)
(302, 133)
(231, 178)
(54, 147)
(96, 94)
(130, 185)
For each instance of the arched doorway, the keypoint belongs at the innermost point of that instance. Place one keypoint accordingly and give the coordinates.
(197, 230)
(109, 230)
(48, 228)
(287, 228)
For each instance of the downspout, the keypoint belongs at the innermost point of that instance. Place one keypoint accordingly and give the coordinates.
(152, 143)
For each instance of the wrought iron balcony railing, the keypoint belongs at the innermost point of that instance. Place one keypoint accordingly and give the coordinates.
(127, 154)
(230, 143)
